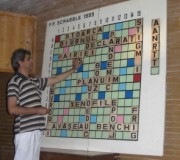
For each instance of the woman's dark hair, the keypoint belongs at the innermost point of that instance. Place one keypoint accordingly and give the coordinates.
(18, 55)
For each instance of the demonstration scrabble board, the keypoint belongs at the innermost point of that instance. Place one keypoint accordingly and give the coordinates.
(103, 99)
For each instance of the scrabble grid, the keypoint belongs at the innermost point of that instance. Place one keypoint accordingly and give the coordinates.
(101, 99)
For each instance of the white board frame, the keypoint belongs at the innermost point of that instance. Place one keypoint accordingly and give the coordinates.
(153, 87)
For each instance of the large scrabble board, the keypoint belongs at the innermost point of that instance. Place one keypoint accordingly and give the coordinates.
(108, 97)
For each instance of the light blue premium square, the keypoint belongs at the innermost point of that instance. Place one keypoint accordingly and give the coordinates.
(61, 104)
(57, 133)
(79, 75)
(155, 70)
